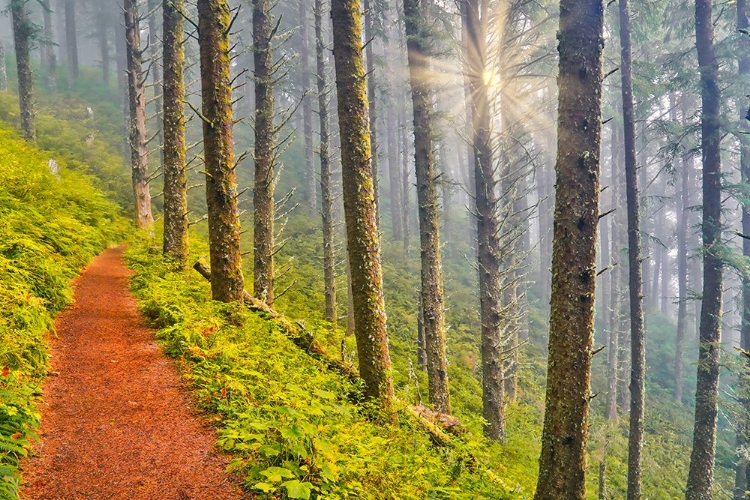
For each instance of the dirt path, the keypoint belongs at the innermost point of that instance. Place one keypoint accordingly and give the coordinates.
(117, 423)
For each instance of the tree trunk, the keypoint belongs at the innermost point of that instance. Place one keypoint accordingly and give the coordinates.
(488, 226)
(49, 48)
(311, 198)
(468, 128)
(263, 200)
(362, 232)
(3, 69)
(23, 30)
(227, 283)
(613, 314)
(122, 82)
(71, 41)
(682, 265)
(326, 181)
(433, 308)
(102, 18)
(394, 173)
(743, 425)
(562, 465)
(137, 105)
(175, 172)
(635, 279)
(405, 164)
(700, 476)
(156, 78)
(371, 99)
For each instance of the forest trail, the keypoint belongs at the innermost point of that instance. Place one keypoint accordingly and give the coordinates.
(117, 422)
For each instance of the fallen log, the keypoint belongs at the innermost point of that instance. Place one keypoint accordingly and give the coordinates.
(294, 331)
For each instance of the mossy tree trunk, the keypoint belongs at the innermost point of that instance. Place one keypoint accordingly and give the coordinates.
(743, 425)
(326, 181)
(227, 284)
(635, 279)
(23, 29)
(137, 107)
(433, 307)
(263, 201)
(362, 232)
(49, 48)
(488, 226)
(701, 473)
(562, 464)
(175, 172)
(71, 41)
(311, 199)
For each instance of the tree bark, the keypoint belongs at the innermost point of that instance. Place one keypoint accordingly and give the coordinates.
(227, 283)
(49, 48)
(359, 202)
(71, 41)
(700, 476)
(311, 198)
(562, 464)
(122, 81)
(371, 99)
(433, 307)
(137, 106)
(743, 425)
(488, 226)
(635, 279)
(682, 264)
(156, 77)
(175, 172)
(613, 314)
(263, 200)
(3, 69)
(326, 181)
(23, 30)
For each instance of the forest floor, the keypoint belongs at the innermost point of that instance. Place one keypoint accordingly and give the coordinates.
(117, 422)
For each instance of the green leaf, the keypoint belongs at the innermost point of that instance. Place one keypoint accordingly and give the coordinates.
(297, 489)
(265, 487)
(276, 474)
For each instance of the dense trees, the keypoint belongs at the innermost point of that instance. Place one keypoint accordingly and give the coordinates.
(455, 104)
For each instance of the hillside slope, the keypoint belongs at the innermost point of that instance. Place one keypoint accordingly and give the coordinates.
(50, 227)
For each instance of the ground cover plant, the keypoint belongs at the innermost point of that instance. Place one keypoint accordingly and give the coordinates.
(50, 227)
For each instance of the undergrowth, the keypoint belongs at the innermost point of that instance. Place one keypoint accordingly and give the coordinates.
(294, 428)
(50, 228)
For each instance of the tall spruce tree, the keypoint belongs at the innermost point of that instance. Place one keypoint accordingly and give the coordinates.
(363, 237)
(227, 283)
(562, 464)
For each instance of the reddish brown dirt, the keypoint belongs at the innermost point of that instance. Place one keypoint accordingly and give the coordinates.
(117, 423)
